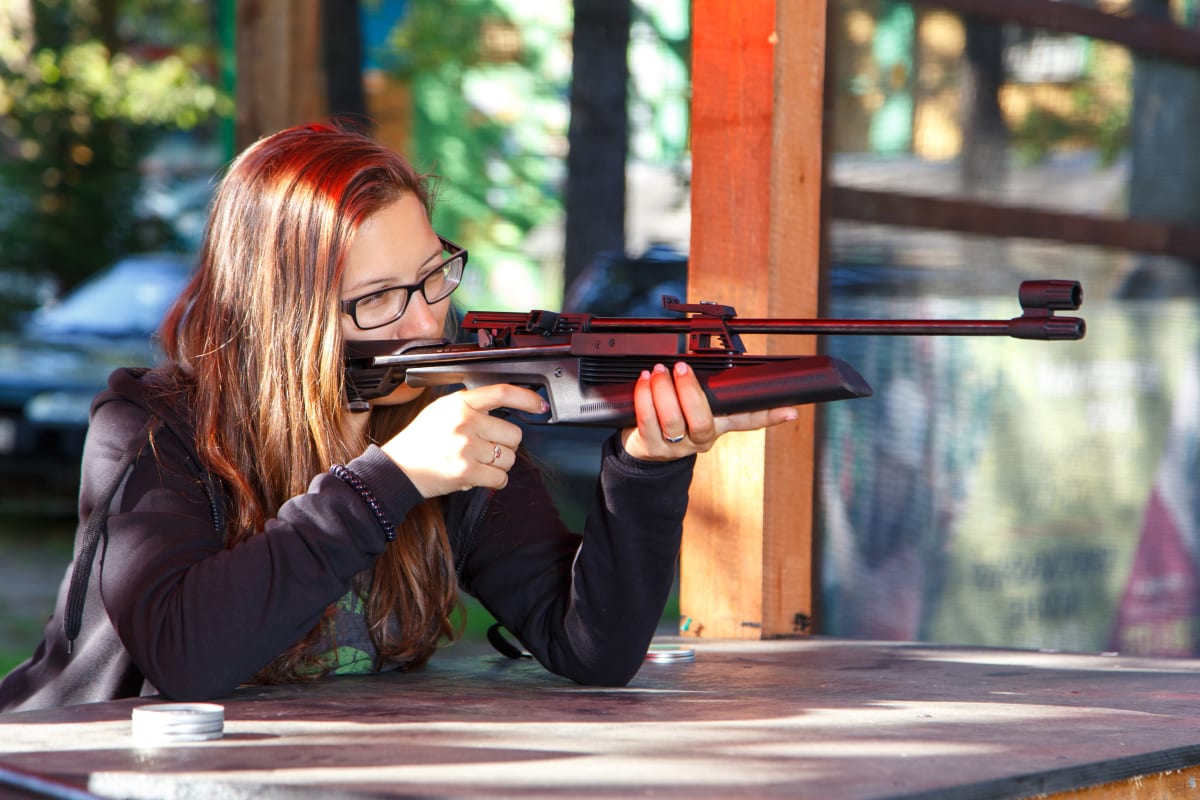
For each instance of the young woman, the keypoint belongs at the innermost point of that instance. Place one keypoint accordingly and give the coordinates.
(240, 524)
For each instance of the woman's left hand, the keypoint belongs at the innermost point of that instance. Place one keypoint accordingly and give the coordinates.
(674, 419)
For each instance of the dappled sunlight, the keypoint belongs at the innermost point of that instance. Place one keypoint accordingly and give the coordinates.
(515, 756)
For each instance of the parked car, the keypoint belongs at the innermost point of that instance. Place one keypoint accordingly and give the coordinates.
(62, 356)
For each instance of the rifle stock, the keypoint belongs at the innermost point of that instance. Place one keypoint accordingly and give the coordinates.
(587, 366)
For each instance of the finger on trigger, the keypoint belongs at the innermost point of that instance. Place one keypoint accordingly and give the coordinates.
(495, 396)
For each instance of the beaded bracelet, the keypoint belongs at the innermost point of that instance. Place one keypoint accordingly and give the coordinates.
(356, 483)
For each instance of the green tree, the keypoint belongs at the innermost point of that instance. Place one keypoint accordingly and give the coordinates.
(85, 87)
(489, 81)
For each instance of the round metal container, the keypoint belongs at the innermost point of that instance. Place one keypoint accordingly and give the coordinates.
(670, 654)
(178, 722)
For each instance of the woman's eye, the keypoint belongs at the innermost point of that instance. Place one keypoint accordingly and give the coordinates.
(377, 299)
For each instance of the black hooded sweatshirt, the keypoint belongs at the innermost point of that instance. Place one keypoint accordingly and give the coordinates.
(163, 606)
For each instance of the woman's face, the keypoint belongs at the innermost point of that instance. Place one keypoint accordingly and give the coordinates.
(396, 246)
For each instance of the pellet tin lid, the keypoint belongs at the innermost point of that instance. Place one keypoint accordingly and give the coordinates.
(670, 654)
(178, 722)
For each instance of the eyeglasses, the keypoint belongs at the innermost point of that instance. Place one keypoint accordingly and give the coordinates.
(386, 305)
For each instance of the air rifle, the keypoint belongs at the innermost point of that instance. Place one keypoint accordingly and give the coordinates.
(587, 365)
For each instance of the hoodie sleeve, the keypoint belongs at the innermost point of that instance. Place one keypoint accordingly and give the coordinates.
(585, 606)
(199, 619)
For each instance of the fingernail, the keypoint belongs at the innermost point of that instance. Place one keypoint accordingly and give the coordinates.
(545, 406)
(645, 375)
(681, 368)
(659, 369)
(791, 416)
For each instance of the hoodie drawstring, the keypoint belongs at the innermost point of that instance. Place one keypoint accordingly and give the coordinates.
(97, 525)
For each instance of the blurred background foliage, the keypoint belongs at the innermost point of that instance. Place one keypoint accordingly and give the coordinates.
(490, 94)
(87, 91)
(1094, 113)
(100, 99)
(93, 92)
(488, 87)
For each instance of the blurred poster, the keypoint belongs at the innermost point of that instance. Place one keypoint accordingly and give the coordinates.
(1157, 612)
(1015, 493)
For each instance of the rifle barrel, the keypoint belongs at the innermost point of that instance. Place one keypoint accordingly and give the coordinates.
(907, 327)
(1027, 327)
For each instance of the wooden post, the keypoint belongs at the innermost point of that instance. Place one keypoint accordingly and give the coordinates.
(280, 80)
(746, 570)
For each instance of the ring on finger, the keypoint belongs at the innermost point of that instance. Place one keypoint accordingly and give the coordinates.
(496, 453)
(674, 439)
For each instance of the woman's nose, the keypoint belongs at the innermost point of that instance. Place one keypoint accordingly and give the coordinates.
(419, 320)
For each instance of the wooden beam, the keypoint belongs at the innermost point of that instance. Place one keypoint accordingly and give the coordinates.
(758, 69)
(1149, 37)
(279, 74)
(797, 161)
(992, 219)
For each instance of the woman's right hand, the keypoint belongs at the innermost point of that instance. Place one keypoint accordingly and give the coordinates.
(456, 444)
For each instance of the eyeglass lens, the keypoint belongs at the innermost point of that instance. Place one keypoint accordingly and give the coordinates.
(380, 308)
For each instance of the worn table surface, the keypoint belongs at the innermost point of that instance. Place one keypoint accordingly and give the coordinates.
(810, 718)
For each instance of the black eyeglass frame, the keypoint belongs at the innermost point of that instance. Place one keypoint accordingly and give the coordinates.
(349, 307)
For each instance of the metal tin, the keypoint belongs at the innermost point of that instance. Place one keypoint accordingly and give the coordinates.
(670, 654)
(178, 722)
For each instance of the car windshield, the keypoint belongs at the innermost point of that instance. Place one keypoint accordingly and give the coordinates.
(129, 299)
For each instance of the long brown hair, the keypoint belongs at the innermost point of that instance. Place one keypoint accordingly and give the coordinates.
(256, 341)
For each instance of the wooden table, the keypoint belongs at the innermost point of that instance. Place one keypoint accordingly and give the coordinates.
(814, 718)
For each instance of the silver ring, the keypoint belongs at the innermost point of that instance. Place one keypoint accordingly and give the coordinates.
(675, 439)
(496, 453)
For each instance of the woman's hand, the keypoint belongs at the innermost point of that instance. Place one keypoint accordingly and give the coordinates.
(674, 419)
(455, 443)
